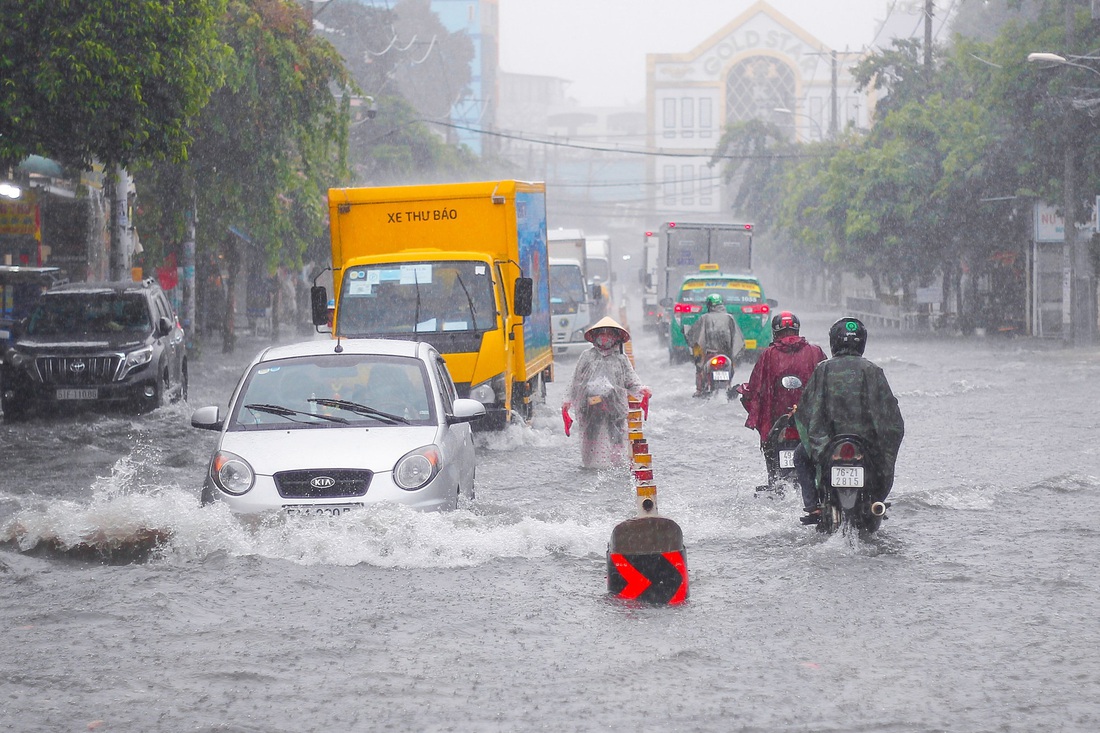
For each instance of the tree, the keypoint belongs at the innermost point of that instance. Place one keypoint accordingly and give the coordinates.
(268, 145)
(112, 82)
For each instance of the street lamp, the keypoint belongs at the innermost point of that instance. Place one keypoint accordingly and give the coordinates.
(785, 111)
(1069, 203)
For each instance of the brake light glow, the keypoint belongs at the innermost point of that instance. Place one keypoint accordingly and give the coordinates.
(719, 362)
(686, 308)
(846, 451)
(756, 309)
(790, 433)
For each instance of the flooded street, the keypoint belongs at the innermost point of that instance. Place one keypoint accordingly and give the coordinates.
(971, 610)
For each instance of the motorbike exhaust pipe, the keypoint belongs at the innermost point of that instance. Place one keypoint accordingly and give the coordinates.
(878, 508)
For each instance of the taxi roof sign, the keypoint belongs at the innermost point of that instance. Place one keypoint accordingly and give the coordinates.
(709, 267)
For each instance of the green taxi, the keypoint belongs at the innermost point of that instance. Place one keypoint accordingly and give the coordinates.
(744, 299)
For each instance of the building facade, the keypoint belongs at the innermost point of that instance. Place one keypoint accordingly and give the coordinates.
(761, 65)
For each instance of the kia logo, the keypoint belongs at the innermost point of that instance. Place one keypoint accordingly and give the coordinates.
(322, 482)
(77, 367)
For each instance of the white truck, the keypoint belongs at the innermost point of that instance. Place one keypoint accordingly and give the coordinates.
(571, 302)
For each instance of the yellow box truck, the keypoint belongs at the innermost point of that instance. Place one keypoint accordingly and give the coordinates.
(462, 266)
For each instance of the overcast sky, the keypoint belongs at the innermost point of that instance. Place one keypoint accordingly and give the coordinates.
(601, 45)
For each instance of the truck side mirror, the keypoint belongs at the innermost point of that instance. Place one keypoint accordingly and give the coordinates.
(649, 279)
(597, 291)
(523, 296)
(666, 302)
(318, 303)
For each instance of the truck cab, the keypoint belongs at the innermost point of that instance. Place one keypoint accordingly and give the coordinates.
(570, 308)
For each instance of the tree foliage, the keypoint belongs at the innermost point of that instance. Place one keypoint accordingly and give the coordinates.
(267, 146)
(111, 81)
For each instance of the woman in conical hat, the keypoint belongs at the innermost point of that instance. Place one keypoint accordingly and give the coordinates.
(598, 394)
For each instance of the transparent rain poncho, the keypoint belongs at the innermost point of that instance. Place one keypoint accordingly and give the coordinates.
(598, 394)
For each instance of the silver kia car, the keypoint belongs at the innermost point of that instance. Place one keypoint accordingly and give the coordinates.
(324, 427)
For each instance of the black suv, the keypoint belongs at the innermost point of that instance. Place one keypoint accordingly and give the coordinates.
(94, 344)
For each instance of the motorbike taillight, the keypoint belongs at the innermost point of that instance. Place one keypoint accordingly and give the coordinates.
(790, 433)
(719, 362)
(845, 452)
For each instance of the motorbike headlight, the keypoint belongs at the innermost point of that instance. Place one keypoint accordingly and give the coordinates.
(138, 358)
(231, 473)
(417, 468)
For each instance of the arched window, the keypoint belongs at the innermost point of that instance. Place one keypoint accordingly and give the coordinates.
(756, 86)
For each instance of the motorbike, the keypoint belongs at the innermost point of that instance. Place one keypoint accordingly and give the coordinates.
(847, 484)
(779, 447)
(716, 370)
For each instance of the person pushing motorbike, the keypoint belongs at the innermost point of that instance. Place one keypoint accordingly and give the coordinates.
(715, 332)
(846, 395)
(764, 397)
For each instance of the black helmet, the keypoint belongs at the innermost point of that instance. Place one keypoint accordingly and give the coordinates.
(848, 336)
(785, 321)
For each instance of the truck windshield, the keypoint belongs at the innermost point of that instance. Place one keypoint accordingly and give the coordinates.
(567, 289)
(417, 297)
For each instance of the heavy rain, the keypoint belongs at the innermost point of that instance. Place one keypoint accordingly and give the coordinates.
(911, 166)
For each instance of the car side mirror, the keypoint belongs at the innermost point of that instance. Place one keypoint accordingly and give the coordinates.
(772, 303)
(164, 326)
(207, 418)
(523, 296)
(465, 410)
(318, 304)
(666, 302)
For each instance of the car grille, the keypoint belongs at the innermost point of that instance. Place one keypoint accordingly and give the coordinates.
(78, 369)
(311, 484)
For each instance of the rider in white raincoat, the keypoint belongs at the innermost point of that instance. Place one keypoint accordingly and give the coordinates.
(598, 396)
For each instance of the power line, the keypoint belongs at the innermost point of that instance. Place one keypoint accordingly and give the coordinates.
(659, 153)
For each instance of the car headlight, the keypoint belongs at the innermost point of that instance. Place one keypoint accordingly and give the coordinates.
(16, 358)
(231, 473)
(418, 467)
(138, 358)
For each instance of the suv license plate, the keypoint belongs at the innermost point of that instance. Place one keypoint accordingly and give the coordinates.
(786, 459)
(78, 394)
(319, 510)
(848, 476)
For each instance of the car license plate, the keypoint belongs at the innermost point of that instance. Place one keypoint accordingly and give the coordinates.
(319, 510)
(78, 394)
(848, 476)
(722, 376)
(786, 459)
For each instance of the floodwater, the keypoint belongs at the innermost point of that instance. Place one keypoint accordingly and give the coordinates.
(124, 606)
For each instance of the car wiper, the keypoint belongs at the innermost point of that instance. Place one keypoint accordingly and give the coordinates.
(289, 413)
(469, 300)
(357, 408)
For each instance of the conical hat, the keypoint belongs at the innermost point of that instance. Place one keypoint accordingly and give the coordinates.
(606, 322)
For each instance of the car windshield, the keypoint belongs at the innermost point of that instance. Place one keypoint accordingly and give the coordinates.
(332, 390)
(419, 297)
(103, 312)
(733, 293)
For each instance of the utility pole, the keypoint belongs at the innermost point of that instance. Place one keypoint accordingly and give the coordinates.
(119, 258)
(1069, 204)
(833, 103)
(929, 9)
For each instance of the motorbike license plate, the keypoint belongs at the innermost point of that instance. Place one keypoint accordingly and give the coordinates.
(722, 376)
(786, 459)
(78, 394)
(848, 476)
(319, 510)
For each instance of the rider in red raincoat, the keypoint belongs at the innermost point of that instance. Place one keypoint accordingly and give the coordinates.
(789, 354)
